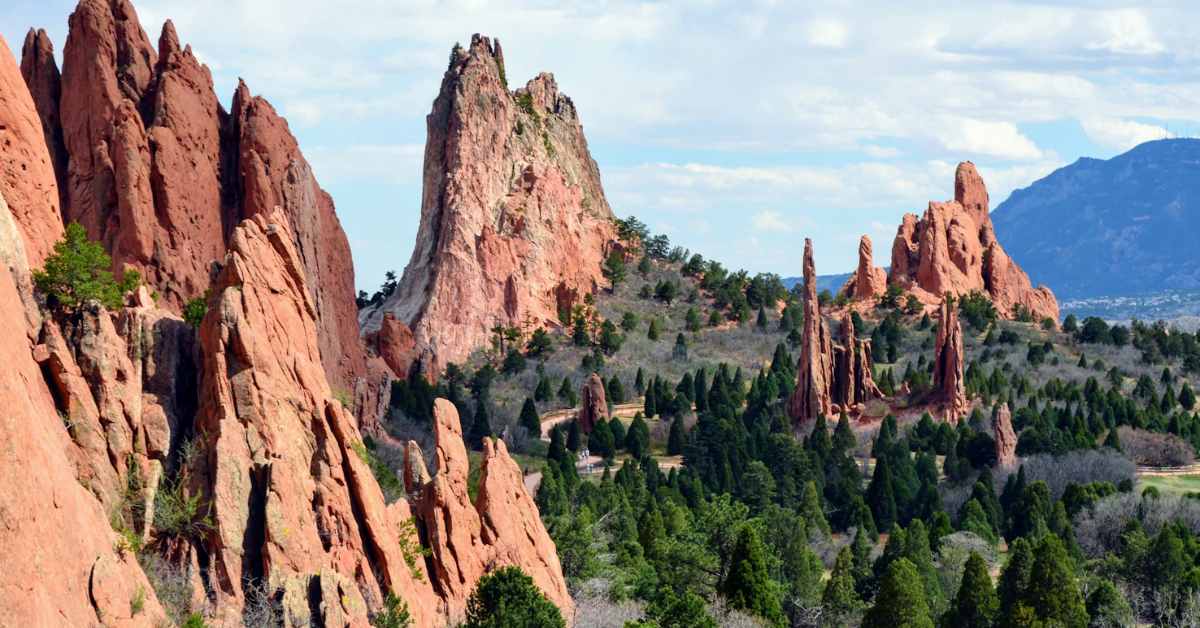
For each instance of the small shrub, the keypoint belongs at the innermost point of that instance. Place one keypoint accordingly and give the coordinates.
(77, 271)
(195, 309)
(394, 613)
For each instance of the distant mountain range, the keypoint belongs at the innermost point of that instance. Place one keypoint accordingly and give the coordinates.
(1110, 227)
(832, 283)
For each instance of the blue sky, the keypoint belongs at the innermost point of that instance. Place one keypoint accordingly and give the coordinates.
(738, 128)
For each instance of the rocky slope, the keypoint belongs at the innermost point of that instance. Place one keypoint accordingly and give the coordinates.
(953, 249)
(1110, 227)
(514, 223)
(158, 171)
(241, 415)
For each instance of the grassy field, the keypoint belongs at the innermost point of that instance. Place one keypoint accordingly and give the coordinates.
(1172, 484)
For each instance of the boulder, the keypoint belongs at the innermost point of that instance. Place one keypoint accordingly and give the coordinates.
(514, 222)
(952, 249)
(949, 385)
(592, 406)
(27, 180)
(1006, 440)
(812, 394)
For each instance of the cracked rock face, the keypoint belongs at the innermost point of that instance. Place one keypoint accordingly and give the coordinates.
(514, 222)
(948, 380)
(953, 249)
(1006, 440)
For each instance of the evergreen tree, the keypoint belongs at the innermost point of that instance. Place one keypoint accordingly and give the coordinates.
(1014, 580)
(616, 392)
(748, 587)
(761, 322)
(700, 385)
(600, 442)
(679, 351)
(574, 436)
(810, 510)
(916, 550)
(507, 598)
(639, 383)
(652, 333)
(677, 436)
(637, 439)
(618, 432)
(1052, 593)
(670, 611)
(843, 436)
(840, 599)
(529, 419)
(1167, 561)
(1106, 607)
(976, 604)
(644, 265)
(566, 393)
(481, 428)
(802, 568)
(1113, 441)
(879, 498)
(692, 320)
(551, 495)
(900, 602)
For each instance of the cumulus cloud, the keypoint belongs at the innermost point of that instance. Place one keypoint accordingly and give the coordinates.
(770, 221)
(1120, 134)
(1127, 31)
(997, 139)
(828, 33)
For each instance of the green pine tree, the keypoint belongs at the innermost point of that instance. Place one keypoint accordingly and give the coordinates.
(507, 598)
(677, 436)
(900, 602)
(639, 383)
(748, 587)
(843, 436)
(879, 497)
(761, 322)
(481, 428)
(810, 510)
(529, 419)
(566, 393)
(976, 604)
(840, 599)
(1015, 577)
(652, 333)
(1106, 607)
(916, 550)
(574, 436)
(601, 441)
(1052, 592)
(77, 271)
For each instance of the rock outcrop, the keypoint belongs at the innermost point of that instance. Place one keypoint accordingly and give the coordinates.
(60, 565)
(953, 249)
(853, 374)
(394, 342)
(292, 504)
(501, 528)
(40, 72)
(27, 179)
(1006, 440)
(867, 280)
(160, 173)
(811, 397)
(593, 405)
(949, 385)
(514, 223)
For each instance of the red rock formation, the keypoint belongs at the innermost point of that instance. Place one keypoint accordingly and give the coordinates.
(27, 179)
(948, 382)
(160, 173)
(59, 566)
(395, 344)
(1006, 440)
(853, 375)
(811, 396)
(514, 222)
(40, 71)
(501, 528)
(867, 280)
(291, 502)
(954, 249)
(592, 406)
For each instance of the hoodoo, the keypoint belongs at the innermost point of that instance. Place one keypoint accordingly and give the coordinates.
(867, 280)
(514, 223)
(948, 382)
(811, 397)
(953, 249)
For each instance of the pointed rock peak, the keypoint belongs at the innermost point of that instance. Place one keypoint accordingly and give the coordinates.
(971, 193)
(593, 405)
(1006, 440)
(168, 42)
(447, 433)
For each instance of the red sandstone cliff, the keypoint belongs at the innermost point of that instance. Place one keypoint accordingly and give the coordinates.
(953, 249)
(514, 222)
(158, 171)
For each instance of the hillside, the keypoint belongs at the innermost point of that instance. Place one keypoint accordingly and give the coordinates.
(1110, 227)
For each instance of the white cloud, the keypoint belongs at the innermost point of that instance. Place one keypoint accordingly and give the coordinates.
(1120, 134)
(770, 221)
(1128, 32)
(881, 152)
(997, 139)
(828, 33)
(666, 228)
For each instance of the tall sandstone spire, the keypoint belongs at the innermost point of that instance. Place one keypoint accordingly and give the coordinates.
(948, 381)
(953, 249)
(514, 223)
(811, 396)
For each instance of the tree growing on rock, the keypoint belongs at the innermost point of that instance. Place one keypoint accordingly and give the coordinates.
(77, 271)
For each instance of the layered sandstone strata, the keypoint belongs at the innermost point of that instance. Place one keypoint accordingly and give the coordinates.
(953, 249)
(514, 223)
